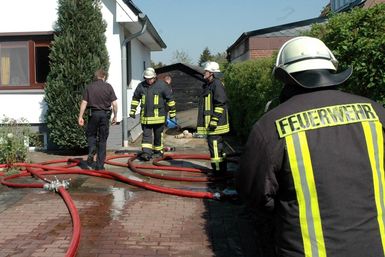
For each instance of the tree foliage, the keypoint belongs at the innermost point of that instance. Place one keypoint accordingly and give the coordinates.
(78, 50)
(182, 57)
(220, 58)
(357, 39)
(205, 56)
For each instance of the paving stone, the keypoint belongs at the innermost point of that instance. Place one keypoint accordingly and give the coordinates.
(123, 220)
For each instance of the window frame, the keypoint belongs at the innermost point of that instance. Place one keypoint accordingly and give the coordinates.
(34, 40)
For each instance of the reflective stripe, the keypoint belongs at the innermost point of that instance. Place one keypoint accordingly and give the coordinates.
(325, 117)
(309, 215)
(158, 148)
(143, 101)
(153, 120)
(145, 145)
(156, 102)
(171, 103)
(215, 160)
(134, 102)
(375, 144)
(219, 109)
(219, 130)
(207, 109)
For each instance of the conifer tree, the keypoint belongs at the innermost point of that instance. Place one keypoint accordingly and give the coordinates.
(205, 56)
(78, 50)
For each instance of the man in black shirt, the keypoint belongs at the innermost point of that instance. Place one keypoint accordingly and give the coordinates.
(98, 97)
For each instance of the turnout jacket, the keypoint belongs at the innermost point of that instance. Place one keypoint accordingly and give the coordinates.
(153, 99)
(212, 108)
(317, 161)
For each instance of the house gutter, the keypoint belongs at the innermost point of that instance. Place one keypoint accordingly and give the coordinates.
(144, 21)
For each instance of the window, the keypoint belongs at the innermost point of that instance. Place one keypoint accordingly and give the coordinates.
(14, 64)
(24, 62)
(42, 63)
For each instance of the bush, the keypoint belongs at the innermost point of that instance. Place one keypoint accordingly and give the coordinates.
(15, 136)
(249, 86)
(357, 39)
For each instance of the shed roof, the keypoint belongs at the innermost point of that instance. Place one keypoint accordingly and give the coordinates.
(192, 70)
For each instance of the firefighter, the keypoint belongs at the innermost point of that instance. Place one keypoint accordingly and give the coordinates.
(153, 95)
(213, 119)
(316, 161)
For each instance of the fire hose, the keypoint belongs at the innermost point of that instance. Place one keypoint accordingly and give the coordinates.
(45, 168)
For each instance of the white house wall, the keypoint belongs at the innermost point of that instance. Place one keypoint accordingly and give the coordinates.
(140, 59)
(26, 16)
(26, 104)
(29, 106)
(113, 46)
(42, 19)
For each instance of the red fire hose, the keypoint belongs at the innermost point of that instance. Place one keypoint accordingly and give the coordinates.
(61, 189)
(46, 168)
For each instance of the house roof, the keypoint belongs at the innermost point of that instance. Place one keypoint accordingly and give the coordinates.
(192, 70)
(152, 34)
(284, 30)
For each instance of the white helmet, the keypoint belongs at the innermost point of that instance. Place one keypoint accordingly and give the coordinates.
(149, 73)
(311, 55)
(211, 66)
(305, 53)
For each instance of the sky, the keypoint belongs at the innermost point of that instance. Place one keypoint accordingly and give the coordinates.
(190, 26)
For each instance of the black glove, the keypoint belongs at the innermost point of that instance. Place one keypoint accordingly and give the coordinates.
(132, 115)
(212, 125)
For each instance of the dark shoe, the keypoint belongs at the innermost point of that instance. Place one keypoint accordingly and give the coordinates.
(145, 157)
(100, 168)
(85, 165)
(90, 159)
(157, 155)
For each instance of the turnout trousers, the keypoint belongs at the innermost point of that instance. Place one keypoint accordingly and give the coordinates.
(150, 132)
(217, 157)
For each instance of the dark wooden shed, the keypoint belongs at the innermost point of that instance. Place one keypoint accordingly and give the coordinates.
(187, 82)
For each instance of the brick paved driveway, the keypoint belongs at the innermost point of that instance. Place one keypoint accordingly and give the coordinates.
(122, 220)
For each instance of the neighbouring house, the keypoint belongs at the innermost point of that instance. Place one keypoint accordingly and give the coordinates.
(264, 42)
(187, 82)
(346, 5)
(26, 31)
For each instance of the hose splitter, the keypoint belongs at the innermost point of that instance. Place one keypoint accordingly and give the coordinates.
(55, 184)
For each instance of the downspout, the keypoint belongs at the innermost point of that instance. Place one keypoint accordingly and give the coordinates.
(144, 20)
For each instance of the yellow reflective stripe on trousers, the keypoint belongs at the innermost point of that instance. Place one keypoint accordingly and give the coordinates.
(216, 155)
(145, 145)
(309, 214)
(375, 144)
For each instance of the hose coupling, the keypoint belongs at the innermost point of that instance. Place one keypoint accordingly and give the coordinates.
(229, 194)
(217, 196)
(55, 184)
